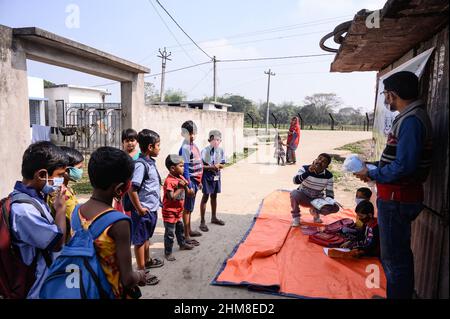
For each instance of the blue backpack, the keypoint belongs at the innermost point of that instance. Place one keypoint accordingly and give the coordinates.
(77, 273)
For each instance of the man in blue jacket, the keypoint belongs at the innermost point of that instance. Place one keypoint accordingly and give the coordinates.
(401, 172)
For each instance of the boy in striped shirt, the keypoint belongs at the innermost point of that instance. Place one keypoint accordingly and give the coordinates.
(193, 172)
(314, 179)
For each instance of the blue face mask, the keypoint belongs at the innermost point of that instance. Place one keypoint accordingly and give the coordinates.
(57, 182)
(75, 174)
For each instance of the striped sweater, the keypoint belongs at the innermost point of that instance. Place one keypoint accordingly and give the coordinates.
(313, 184)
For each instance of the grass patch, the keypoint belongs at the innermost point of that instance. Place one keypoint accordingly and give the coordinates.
(357, 148)
(83, 186)
(335, 169)
(239, 156)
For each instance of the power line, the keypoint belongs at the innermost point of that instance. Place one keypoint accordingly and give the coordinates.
(173, 35)
(157, 1)
(180, 69)
(198, 83)
(276, 58)
(272, 30)
(266, 39)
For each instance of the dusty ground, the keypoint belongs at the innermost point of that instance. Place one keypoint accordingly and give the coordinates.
(244, 185)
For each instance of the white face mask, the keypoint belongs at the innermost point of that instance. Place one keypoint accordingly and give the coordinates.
(358, 200)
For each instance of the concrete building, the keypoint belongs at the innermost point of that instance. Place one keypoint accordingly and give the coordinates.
(19, 44)
(36, 101)
(61, 97)
(199, 105)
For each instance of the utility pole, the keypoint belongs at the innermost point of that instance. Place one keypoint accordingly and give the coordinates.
(214, 79)
(269, 74)
(164, 57)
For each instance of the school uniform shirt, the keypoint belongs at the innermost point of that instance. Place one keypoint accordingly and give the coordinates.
(31, 231)
(212, 156)
(172, 210)
(313, 184)
(150, 192)
(193, 165)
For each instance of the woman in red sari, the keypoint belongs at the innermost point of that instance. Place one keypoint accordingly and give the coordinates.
(292, 141)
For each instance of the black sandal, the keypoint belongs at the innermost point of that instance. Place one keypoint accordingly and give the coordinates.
(154, 263)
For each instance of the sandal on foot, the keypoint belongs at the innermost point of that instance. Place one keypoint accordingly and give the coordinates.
(192, 242)
(195, 233)
(186, 247)
(154, 263)
(170, 257)
(218, 222)
(204, 228)
(150, 280)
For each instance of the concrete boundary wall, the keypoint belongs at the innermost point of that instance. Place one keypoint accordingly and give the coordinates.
(167, 121)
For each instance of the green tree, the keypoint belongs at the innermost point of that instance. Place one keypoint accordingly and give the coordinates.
(48, 84)
(151, 95)
(172, 95)
(324, 103)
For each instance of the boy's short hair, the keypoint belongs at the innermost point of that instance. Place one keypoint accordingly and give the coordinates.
(42, 155)
(172, 160)
(365, 191)
(108, 166)
(74, 157)
(190, 127)
(327, 156)
(365, 207)
(147, 137)
(129, 134)
(213, 134)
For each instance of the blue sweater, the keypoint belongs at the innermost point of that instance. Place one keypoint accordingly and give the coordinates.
(409, 147)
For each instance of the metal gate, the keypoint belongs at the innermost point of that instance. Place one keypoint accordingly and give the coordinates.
(92, 125)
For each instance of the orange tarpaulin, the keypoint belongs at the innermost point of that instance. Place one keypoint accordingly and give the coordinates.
(277, 258)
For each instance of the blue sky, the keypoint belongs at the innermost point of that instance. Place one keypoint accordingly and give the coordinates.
(228, 29)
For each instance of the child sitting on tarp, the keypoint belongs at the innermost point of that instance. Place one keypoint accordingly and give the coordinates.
(369, 243)
(357, 230)
(314, 179)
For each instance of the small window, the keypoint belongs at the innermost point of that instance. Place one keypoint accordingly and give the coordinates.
(35, 112)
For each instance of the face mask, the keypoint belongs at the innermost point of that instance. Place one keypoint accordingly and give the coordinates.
(388, 107)
(358, 200)
(75, 174)
(57, 182)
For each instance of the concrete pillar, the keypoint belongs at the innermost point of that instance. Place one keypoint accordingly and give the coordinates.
(132, 99)
(14, 110)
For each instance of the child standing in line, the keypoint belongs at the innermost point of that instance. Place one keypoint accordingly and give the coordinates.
(175, 189)
(314, 179)
(213, 158)
(145, 195)
(193, 171)
(129, 143)
(34, 231)
(74, 173)
(279, 149)
(110, 171)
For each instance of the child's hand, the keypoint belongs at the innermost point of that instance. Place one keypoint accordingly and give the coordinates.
(60, 199)
(221, 166)
(190, 192)
(182, 183)
(143, 211)
(346, 244)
